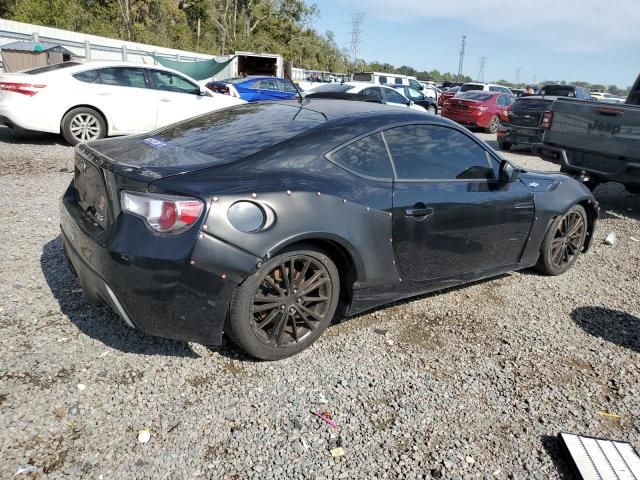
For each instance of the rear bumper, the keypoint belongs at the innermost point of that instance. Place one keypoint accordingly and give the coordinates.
(154, 288)
(468, 120)
(519, 135)
(599, 167)
(21, 116)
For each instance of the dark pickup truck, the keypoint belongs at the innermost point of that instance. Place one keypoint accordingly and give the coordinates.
(525, 115)
(597, 142)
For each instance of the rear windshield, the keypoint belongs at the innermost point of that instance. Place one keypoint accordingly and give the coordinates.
(332, 87)
(471, 86)
(234, 133)
(235, 80)
(362, 77)
(51, 68)
(479, 96)
(558, 91)
(524, 103)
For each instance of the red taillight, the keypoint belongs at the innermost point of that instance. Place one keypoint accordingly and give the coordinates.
(547, 120)
(23, 88)
(163, 213)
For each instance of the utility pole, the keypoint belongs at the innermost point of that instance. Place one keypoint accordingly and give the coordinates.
(518, 70)
(464, 39)
(483, 62)
(534, 78)
(356, 23)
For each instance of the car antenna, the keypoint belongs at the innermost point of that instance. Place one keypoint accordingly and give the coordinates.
(288, 77)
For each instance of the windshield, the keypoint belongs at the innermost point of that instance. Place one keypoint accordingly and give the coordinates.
(558, 91)
(471, 86)
(478, 96)
(51, 68)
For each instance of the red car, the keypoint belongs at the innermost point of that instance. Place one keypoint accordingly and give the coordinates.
(479, 109)
(446, 95)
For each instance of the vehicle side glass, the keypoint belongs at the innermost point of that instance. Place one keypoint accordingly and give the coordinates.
(383, 80)
(170, 82)
(286, 86)
(493, 89)
(122, 77)
(367, 156)
(87, 77)
(431, 152)
(391, 96)
(268, 85)
(373, 92)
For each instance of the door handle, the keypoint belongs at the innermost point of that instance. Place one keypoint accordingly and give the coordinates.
(165, 100)
(418, 212)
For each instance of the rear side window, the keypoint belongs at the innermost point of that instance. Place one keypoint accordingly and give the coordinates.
(430, 152)
(267, 85)
(362, 77)
(122, 77)
(87, 77)
(367, 156)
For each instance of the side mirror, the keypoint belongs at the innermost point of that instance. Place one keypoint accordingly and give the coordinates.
(411, 103)
(203, 91)
(508, 173)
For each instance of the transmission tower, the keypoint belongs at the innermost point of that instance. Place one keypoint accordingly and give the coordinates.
(518, 70)
(483, 62)
(356, 23)
(464, 39)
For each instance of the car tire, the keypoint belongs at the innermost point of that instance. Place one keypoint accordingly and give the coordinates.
(563, 242)
(504, 146)
(432, 109)
(288, 320)
(494, 124)
(83, 124)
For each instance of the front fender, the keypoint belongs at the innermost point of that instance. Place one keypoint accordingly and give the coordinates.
(561, 192)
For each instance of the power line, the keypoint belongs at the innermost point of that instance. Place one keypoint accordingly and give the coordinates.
(356, 23)
(483, 62)
(464, 38)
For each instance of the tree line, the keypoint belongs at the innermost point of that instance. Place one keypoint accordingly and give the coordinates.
(218, 27)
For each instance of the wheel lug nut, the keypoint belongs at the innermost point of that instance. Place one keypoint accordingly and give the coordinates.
(299, 300)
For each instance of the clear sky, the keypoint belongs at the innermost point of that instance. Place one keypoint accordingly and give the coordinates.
(597, 41)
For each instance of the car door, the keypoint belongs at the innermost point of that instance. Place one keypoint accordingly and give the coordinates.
(287, 90)
(124, 96)
(375, 92)
(451, 216)
(178, 98)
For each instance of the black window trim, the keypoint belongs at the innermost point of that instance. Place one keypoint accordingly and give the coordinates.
(491, 156)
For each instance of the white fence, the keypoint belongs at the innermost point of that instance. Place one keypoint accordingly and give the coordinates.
(92, 46)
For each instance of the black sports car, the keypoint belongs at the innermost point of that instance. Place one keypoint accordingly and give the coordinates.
(267, 220)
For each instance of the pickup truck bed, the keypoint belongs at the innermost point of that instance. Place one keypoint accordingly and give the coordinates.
(601, 140)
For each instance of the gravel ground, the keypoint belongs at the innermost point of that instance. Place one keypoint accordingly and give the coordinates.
(472, 382)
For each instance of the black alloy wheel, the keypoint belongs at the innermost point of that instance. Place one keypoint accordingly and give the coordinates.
(564, 242)
(291, 301)
(286, 305)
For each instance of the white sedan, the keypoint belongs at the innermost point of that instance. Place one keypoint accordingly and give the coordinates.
(387, 95)
(92, 100)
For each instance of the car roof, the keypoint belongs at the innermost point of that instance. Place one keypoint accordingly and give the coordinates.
(333, 109)
(92, 64)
